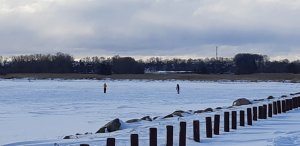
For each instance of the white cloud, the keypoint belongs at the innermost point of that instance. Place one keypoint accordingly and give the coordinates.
(147, 27)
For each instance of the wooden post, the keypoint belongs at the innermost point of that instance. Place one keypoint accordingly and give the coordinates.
(255, 113)
(265, 108)
(270, 111)
(169, 135)
(134, 140)
(260, 112)
(110, 142)
(208, 127)
(274, 107)
(84, 145)
(283, 106)
(196, 128)
(242, 118)
(226, 121)
(182, 134)
(294, 102)
(249, 116)
(298, 101)
(153, 136)
(291, 104)
(279, 110)
(287, 105)
(217, 125)
(233, 120)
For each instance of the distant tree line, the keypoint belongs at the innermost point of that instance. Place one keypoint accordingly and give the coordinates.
(65, 63)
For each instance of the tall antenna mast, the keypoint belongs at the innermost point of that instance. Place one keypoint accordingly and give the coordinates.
(216, 52)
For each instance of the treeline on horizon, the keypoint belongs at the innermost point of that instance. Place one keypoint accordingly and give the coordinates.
(243, 63)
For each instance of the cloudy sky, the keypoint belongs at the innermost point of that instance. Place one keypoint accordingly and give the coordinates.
(185, 28)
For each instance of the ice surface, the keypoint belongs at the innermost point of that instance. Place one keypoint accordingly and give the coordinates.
(43, 111)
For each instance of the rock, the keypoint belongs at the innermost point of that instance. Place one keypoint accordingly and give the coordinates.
(111, 126)
(208, 110)
(259, 99)
(133, 121)
(218, 108)
(69, 137)
(176, 113)
(270, 97)
(199, 111)
(283, 96)
(241, 101)
(78, 134)
(168, 116)
(87, 133)
(147, 118)
(155, 117)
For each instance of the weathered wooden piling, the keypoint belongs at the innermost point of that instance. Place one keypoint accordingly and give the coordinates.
(217, 125)
(265, 108)
(270, 110)
(169, 135)
(226, 121)
(134, 140)
(249, 116)
(283, 106)
(196, 129)
(153, 137)
(274, 107)
(279, 108)
(242, 118)
(233, 120)
(208, 127)
(254, 113)
(110, 142)
(260, 112)
(182, 134)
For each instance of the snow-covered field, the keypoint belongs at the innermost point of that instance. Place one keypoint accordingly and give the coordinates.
(42, 112)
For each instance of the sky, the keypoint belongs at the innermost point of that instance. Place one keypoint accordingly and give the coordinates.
(143, 28)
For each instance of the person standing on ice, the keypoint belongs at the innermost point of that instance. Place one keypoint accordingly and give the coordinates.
(104, 87)
(177, 88)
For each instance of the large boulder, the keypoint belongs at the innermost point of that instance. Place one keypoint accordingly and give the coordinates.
(111, 126)
(133, 120)
(147, 118)
(175, 114)
(241, 101)
(270, 97)
(199, 111)
(208, 110)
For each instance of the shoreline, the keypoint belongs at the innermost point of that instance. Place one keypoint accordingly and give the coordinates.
(261, 77)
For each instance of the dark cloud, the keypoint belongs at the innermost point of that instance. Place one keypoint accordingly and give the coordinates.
(150, 27)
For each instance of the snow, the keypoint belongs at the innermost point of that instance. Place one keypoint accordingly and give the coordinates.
(42, 112)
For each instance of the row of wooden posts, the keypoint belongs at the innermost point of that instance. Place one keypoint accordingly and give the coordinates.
(253, 114)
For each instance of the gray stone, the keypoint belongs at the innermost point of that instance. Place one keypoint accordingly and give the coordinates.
(241, 101)
(111, 126)
(199, 111)
(208, 110)
(218, 108)
(133, 121)
(270, 97)
(147, 118)
(175, 114)
(69, 137)
(155, 117)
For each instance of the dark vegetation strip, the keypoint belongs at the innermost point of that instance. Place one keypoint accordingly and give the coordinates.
(65, 63)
